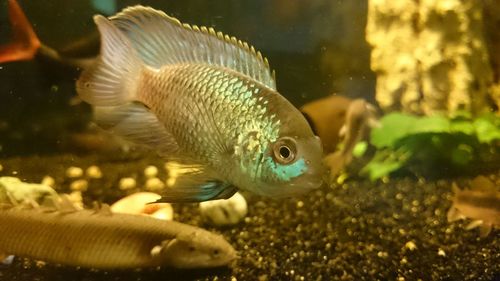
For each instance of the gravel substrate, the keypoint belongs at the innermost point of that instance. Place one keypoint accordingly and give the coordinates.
(395, 230)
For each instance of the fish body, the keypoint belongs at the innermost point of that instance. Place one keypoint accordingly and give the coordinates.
(105, 240)
(203, 99)
(481, 204)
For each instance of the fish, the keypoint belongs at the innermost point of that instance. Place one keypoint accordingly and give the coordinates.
(340, 120)
(327, 116)
(101, 239)
(202, 99)
(481, 203)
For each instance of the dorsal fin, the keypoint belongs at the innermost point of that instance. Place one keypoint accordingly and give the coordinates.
(160, 40)
(105, 210)
(482, 183)
(102, 209)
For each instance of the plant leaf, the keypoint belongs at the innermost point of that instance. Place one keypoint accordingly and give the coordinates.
(393, 127)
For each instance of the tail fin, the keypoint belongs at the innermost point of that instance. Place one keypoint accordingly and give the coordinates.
(112, 79)
(25, 43)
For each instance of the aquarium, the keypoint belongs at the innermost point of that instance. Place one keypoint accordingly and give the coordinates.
(249, 140)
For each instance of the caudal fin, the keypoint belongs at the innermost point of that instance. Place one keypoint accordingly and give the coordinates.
(112, 80)
(25, 43)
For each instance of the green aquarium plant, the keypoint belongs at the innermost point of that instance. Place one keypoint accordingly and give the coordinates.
(434, 145)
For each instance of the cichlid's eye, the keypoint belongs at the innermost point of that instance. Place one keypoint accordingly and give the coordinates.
(285, 150)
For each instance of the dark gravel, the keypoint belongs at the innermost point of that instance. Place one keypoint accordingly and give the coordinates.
(395, 230)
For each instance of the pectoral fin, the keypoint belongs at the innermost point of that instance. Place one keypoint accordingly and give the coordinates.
(484, 230)
(209, 190)
(191, 183)
(454, 214)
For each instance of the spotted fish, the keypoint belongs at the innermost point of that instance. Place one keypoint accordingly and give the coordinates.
(203, 99)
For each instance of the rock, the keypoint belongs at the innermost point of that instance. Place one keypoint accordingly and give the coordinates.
(74, 172)
(141, 203)
(48, 181)
(94, 172)
(226, 211)
(12, 188)
(79, 185)
(154, 184)
(127, 183)
(150, 171)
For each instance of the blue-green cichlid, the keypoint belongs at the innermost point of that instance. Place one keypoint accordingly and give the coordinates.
(203, 99)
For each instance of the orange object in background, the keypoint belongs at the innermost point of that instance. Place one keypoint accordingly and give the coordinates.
(25, 43)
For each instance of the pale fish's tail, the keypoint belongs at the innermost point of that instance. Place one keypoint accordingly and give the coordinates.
(112, 80)
(24, 44)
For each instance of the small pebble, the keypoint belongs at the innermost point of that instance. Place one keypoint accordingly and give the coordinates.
(154, 184)
(226, 211)
(410, 245)
(74, 172)
(151, 171)
(134, 203)
(165, 212)
(441, 253)
(127, 183)
(79, 185)
(94, 172)
(48, 181)
(300, 204)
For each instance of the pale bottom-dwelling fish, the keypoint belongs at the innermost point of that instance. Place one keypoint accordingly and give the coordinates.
(481, 204)
(104, 240)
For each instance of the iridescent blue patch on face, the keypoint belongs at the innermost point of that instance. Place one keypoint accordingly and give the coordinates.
(290, 171)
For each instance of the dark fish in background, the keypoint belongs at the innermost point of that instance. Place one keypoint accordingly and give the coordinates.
(337, 120)
(327, 116)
